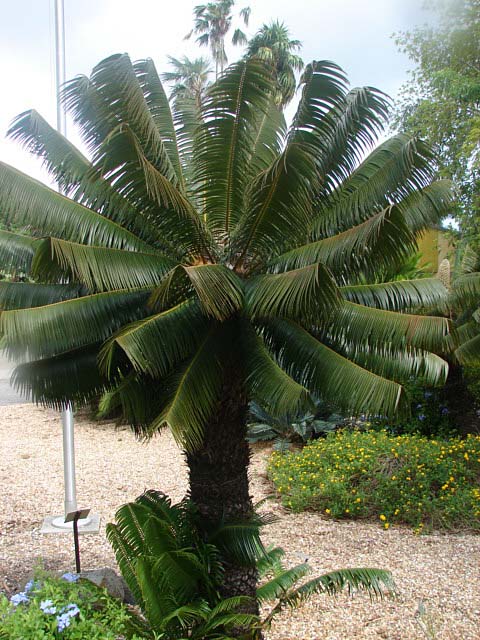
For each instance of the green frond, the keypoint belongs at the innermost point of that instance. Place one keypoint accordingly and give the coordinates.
(16, 252)
(155, 344)
(28, 201)
(376, 582)
(72, 377)
(469, 351)
(139, 397)
(63, 161)
(356, 124)
(239, 542)
(270, 133)
(218, 289)
(22, 295)
(159, 107)
(306, 292)
(268, 383)
(194, 392)
(465, 290)
(42, 332)
(399, 295)
(358, 324)
(101, 268)
(230, 113)
(332, 376)
(76, 176)
(281, 199)
(425, 208)
(400, 364)
(113, 76)
(122, 158)
(282, 582)
(383, 234)
(395, 169)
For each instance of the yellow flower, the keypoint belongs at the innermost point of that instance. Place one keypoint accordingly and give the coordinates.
(386, 525)
(347, 510)
(328, 512)
(383, 518)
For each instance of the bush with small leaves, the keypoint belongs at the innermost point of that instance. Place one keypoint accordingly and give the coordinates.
(407, 479)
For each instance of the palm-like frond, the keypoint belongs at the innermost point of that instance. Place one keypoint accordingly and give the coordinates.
(28, 201)
(50, 330)
(16, 252)
(101, 268)
(194, 392)
(63, 379)
(399, 295)
(21, 295)
(337, 378)
(358, 324)
(268, 383)
(232, 107)
(156, 343)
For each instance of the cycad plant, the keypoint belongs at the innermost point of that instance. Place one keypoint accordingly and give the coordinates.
(175, 573)
(188, 275)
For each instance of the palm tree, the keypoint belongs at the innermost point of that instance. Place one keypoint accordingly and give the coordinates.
(272, 42)
(188, 293)
(213, 21)
(189, 78)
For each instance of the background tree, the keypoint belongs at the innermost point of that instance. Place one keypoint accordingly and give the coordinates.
(189, 78)
(272, 42)
(212, 21)
(441, 102)
(188, 293)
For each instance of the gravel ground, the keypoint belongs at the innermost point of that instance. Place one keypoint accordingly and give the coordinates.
(440, 571)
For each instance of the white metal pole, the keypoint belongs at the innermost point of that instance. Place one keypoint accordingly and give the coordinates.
(67, 414)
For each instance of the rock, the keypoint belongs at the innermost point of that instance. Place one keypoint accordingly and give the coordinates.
(113, 583)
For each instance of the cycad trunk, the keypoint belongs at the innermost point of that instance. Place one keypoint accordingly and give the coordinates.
(219, 477)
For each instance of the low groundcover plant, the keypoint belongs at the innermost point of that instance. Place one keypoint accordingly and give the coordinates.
(66, 607)
(405, 479)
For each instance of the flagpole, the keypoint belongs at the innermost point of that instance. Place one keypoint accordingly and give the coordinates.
(67, 413)
(60, 524)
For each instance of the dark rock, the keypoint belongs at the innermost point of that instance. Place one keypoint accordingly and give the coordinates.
(113, 583)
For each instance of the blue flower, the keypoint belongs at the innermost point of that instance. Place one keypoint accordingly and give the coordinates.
(444, 411)
(71, 610)
(70, 577)
(422, 417)
(31, 585)
(63, 621)
(419, 406)
(427, 394)
(18, 598)
(48, 607)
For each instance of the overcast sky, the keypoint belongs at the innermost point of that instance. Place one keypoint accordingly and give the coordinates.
(356, 35)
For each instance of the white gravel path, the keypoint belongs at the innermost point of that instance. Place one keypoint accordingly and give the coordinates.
(442, 571)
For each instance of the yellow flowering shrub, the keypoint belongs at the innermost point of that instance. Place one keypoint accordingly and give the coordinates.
(406, 479)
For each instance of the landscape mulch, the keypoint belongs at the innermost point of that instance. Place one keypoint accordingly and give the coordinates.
(438, 573)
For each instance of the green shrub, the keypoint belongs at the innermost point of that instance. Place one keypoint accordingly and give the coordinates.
(176, 575)
(472, 376)
(405, 479)
(66, 607)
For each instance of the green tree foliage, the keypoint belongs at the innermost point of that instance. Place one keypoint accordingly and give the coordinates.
(273, 43)
(189, 275)
(189, 78)
(212, 22)
(441, 102)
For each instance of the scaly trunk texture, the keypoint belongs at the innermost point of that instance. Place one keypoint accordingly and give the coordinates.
(219, 477)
